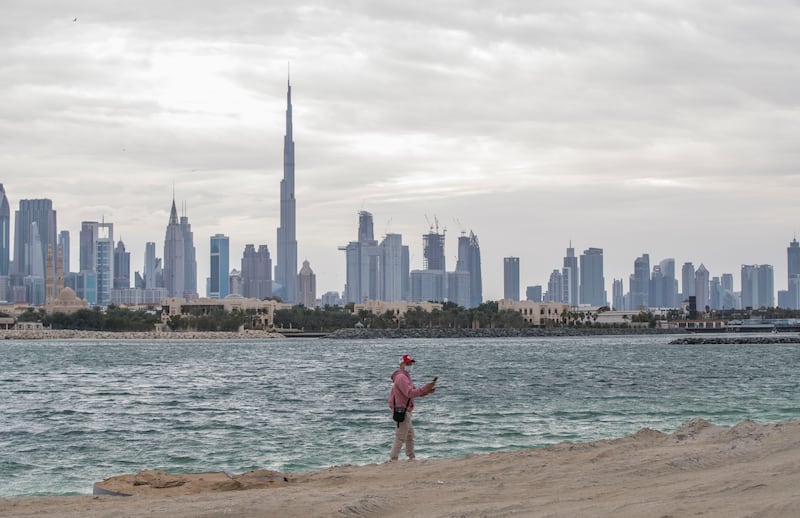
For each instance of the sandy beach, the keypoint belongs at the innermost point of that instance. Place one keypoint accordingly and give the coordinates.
(700, 469)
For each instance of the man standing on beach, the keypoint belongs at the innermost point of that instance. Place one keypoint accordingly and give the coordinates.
(402, 395)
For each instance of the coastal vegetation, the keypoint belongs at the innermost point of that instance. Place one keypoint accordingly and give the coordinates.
(112, 319)
(331, 318)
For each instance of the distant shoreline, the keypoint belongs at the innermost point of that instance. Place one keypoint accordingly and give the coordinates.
(498, 332)
(736, 338)
(342, 334)
(73, 334)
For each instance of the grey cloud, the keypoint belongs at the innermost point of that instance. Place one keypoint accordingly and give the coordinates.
(595, 120)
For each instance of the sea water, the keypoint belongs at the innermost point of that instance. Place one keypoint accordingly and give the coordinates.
(75, 412)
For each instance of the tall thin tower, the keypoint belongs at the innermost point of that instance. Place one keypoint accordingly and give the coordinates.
(5, 233)
(286, 265)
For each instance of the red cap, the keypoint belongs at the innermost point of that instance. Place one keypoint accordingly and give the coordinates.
(407, 359)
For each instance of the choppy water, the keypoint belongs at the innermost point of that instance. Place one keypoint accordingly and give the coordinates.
(76, 412)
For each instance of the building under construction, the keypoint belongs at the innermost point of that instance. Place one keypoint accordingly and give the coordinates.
(433, 251)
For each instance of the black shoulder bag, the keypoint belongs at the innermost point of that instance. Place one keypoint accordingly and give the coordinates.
(399, 414)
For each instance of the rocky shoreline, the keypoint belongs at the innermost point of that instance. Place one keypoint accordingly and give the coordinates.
(344, 334)
(737, 339)
(496, 332)
(72, 334)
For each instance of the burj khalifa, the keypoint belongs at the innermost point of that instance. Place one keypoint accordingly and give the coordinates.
(286, 264)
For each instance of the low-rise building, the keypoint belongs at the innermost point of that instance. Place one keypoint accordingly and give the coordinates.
(715, 325)
(264, 310)
(536, 313)
(397, 307)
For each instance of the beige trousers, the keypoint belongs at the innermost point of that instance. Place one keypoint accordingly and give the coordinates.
(403, 434)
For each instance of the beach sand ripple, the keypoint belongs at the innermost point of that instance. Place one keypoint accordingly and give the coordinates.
(699, 469)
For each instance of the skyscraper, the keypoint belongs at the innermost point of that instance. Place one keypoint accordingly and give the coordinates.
(511, 278)
(459, 282)
(702, 287)
(63, 244)
(715, 293)
(122, 266)
(286, 265)
(656, 287)
(364, 279)
(534, 293)
(729, 300)
(758, 286)
(174, 258)
(235, 282)
(28, 261)
(307, 286)
(793, 277)
(792, 256)
(617, 295)
(189, 260)
(366, 231)
(593, 290)
(34, 282)
(5, 233)
(766, 286)
(687, 280)
(433, 251)
(392, 272)
(570, 271)
(430, 283)
(458, 288)
(88, 246)
(469, 259)
(352, 284)
(96, 260)
(5, 246)
(749, 286)
(669, 289)
(405, 268)
(256, 272)
(219, 285)
(793, 293)
(104, 266)
(150, 266)
(640, 282)
(555, 287)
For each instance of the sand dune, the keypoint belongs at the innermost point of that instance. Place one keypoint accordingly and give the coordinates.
(700, 469)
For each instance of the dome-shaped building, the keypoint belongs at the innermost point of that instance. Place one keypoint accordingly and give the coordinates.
(66, 302)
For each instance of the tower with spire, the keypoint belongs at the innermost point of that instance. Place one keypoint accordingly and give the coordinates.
(286, 263)
(174, 251)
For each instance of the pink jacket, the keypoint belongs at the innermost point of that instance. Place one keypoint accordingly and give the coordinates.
(403, 389)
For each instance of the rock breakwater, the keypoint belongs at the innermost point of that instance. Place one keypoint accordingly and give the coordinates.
(738, 339)
(495, 332)
(72, 334)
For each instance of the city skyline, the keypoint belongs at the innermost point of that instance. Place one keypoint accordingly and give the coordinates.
(665, 130)
(655, 288)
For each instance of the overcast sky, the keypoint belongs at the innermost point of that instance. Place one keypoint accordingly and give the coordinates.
(663, 127)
